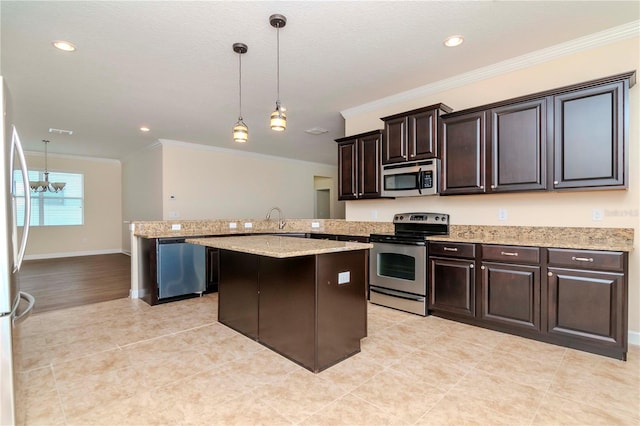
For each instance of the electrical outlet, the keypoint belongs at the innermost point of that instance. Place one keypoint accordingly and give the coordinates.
(176, 227)
(344, 277)
(248, 225)
(502, 214)
(233, 225)
(315, 224)
(596, 215)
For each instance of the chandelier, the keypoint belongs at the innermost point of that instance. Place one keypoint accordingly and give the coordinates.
(45, 185)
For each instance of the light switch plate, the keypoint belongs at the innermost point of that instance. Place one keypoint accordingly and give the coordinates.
(176, 227)
(344, 277)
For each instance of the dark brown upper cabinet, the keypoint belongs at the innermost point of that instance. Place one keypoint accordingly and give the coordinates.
(359, 166)
(412, 135)
(574, 137)
(589, 137)
(463, 152)
(518, 149)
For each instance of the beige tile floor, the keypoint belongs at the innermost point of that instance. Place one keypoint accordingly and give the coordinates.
(126, 363)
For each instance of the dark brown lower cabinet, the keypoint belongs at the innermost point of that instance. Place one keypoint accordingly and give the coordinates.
(310, 309)
(213, 270)
(582, 304)
(585, 305)
(452, 286)
(511, 294)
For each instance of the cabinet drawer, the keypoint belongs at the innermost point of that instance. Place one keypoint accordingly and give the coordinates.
(452, 249)
(511, 254)
(587, 259)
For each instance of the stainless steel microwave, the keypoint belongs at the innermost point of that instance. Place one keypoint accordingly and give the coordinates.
(411, 179)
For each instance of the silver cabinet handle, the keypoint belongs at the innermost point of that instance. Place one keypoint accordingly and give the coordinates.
(483, 267)
(471, 266)
(450, 248)
(508, 253)
(481, 186)
(550, 274)
(555, 182)
(582, 259)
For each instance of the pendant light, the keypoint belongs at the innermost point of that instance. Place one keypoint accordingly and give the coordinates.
(44, 185)
(278, 117)
(240, 130)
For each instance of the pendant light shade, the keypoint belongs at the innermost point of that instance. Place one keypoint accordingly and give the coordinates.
(240, 130)
(278, 117)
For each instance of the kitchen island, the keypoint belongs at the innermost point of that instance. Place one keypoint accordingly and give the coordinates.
(305, 299)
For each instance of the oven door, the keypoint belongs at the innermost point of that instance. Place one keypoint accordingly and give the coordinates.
(401, 267)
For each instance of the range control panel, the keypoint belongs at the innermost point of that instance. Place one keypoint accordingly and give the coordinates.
(424, 218)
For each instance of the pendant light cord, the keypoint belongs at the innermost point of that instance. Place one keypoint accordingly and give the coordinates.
(278, 67)
(240, 83)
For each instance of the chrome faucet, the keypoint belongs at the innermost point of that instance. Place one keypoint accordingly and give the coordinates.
(281, 221)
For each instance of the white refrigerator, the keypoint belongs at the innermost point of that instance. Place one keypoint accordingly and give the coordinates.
(12, 248)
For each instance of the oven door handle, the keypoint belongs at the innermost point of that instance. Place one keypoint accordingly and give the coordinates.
(397, 294)
(420, 181)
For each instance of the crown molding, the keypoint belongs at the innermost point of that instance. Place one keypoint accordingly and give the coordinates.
(611, 35)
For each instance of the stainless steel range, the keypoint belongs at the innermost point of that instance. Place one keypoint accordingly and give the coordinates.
(398, 262)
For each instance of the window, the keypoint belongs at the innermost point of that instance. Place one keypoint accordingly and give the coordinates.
(50, 208)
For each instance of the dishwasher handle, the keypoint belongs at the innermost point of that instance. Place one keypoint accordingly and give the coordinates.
(171, 240)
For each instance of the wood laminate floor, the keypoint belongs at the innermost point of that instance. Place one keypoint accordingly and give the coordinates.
(75, 281)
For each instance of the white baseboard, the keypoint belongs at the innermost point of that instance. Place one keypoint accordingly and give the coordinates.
(634, 338)
(134, 294)
(74, 254)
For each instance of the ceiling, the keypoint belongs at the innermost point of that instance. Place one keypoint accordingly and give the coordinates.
(170, 65)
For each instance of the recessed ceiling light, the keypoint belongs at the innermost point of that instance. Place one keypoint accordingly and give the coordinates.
(316, 131)
(145, 129)
(64, 45)
(453, 41)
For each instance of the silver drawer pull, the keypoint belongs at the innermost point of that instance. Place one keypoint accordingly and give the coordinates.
(508, 253)
(582, 259)
(450, 248)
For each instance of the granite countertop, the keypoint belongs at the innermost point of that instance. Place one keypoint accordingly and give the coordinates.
(281, 247)
(611, 239)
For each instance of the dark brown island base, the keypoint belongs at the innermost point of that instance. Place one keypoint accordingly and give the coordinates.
(305, 299)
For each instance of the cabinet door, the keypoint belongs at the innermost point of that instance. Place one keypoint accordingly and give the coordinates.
(394, 148)
(452, 286)
(587, 306)
(369, 166)
(511, 295)
(422, 135)
(462, 150)
(347, 171)
(589, 138)
(518, 147)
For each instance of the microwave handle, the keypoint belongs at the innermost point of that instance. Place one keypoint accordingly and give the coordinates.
(420, 180)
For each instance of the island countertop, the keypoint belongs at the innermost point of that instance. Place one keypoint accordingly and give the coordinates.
(277, 246)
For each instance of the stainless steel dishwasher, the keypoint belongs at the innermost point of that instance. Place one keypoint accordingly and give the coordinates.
(181, 268)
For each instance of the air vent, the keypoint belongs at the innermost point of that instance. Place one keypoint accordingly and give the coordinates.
(61, 131)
